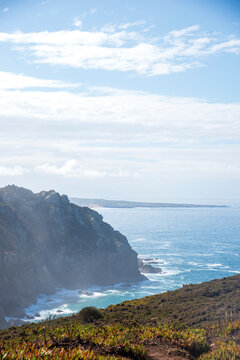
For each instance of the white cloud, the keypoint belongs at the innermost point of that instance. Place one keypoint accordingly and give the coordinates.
(227, 46)
(114, 28)
(71, 168)
(180, 33)
(133, 163)
(109, 28)
(77, 22)
(5, 9)
(172, 119)
(116, 48)
(105, 133)
(132, 24)
(67, 169)
(18, 81)
(12, 171)
(74, 169)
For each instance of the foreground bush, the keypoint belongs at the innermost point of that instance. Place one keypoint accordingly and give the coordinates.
(89, 314)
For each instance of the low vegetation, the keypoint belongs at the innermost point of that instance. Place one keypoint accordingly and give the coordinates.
(198, 329)
(89, 314)
(200, 305)
(93, 341)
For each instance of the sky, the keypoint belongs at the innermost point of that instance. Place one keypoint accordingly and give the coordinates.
(134, 100)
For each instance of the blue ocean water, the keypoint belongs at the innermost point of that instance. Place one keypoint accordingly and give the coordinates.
(191, 245)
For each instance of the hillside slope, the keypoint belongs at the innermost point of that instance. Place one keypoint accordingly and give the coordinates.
(199, 305)
(159, 327)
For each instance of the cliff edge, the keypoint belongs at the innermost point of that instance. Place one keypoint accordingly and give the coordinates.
(46, 243)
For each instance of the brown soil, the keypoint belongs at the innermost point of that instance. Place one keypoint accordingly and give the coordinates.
(158, 351)
(166, 352)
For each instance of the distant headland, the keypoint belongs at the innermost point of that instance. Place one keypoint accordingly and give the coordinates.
(135, 204)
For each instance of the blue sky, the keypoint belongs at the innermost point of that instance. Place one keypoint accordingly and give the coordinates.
(127, 99)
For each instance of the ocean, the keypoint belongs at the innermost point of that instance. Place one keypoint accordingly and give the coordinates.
(191, 245)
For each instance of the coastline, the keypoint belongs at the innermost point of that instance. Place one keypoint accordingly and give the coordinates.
(208, 255)
(59, 303)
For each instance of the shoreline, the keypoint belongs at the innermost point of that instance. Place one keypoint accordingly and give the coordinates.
(62, 310)
(54, 304)
(66, 302)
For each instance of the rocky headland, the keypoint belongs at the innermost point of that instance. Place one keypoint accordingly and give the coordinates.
(46, 243)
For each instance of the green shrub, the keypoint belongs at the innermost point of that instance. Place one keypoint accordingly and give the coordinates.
(89, 314)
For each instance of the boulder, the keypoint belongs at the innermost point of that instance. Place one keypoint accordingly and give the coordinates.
(147, 268)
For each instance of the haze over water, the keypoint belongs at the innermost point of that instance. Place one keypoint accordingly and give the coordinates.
(191, 245)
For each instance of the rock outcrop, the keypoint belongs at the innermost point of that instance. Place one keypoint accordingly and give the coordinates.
(46, 243)
(145, 267)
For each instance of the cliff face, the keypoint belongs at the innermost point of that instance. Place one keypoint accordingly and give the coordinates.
(47, 243)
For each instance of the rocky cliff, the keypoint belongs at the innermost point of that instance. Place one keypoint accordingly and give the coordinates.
(46, 243)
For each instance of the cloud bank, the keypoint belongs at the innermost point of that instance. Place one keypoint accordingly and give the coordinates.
(103, 133)
(116, 48)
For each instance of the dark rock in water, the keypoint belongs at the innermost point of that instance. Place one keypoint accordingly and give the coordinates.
(126, 285)
(37, 315)
(29, 317)
(46, 243)
(85, 292)
(59, 311)
(152, 261)
(147, 268)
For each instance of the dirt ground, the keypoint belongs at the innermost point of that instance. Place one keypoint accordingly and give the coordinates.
(166, 352)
